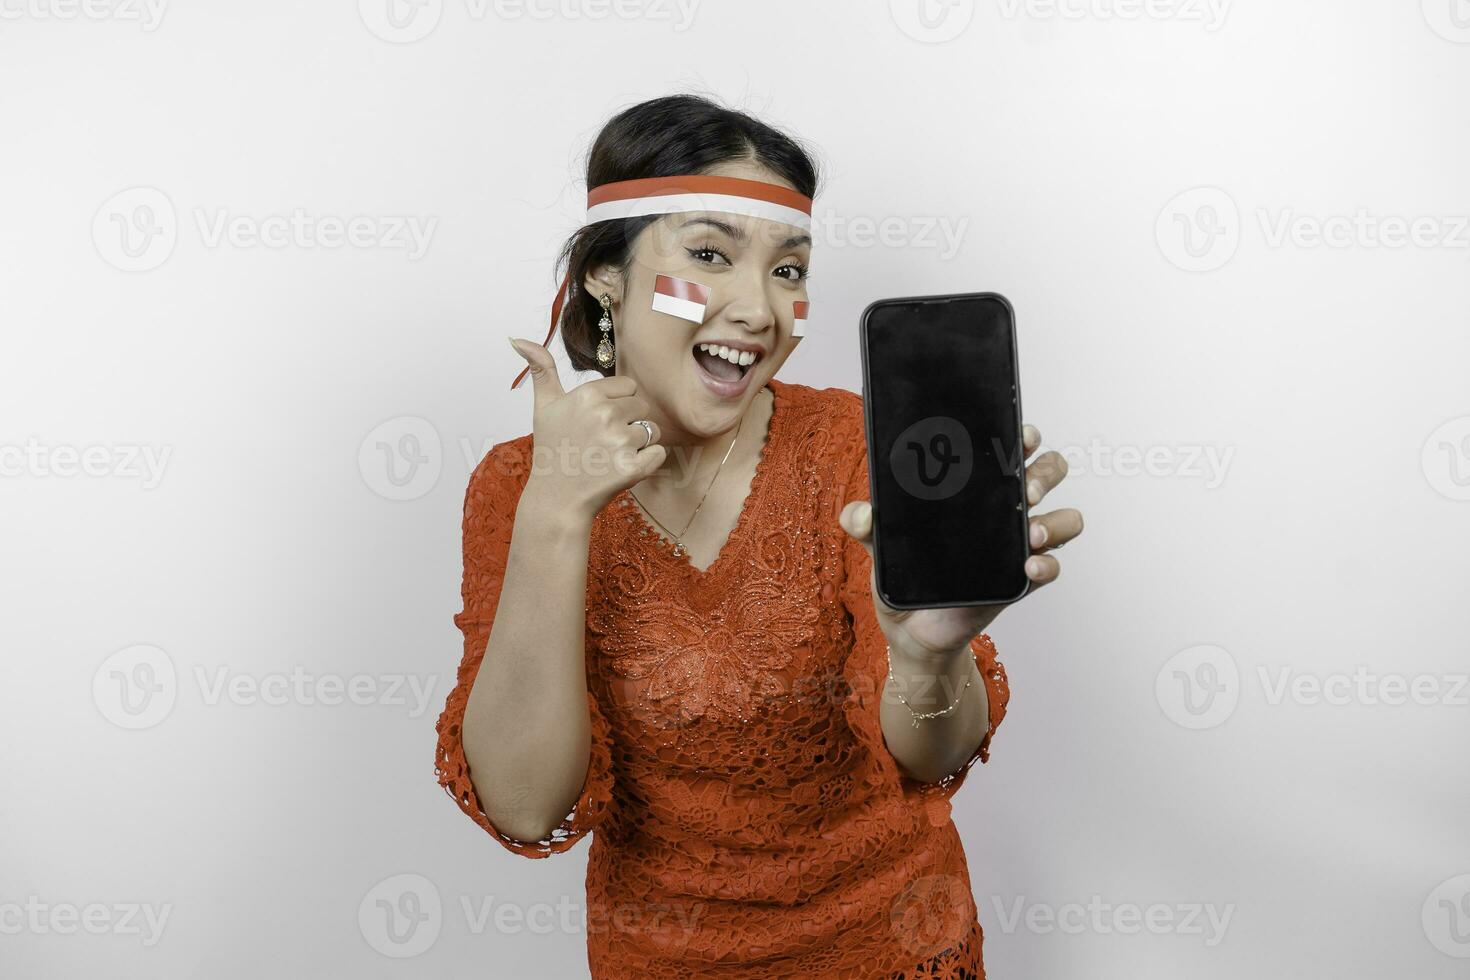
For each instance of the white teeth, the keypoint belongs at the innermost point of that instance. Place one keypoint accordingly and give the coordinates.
(743, 358)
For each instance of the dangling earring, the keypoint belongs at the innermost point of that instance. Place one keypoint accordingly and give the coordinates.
(606, 355)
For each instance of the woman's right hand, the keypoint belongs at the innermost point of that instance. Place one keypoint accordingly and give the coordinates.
(586, 449)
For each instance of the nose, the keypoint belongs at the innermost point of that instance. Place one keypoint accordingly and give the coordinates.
(750, 305)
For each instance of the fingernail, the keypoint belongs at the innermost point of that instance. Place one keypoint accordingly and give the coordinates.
(1033, 567)
(1033, 491)
(1038, 535)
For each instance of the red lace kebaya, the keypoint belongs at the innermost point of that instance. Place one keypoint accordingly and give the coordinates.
(750, 821)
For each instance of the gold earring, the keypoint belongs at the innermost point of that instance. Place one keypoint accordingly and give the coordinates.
(606, 354)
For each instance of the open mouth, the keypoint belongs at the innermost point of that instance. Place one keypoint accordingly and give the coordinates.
(724, 363)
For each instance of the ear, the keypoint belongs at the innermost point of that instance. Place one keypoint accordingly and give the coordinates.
(603, 279)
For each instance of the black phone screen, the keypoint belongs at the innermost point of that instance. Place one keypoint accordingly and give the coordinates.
(942, 403)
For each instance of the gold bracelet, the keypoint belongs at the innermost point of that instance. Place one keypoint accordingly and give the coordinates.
(919, 716)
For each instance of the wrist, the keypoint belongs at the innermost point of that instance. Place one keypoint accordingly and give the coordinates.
(905, 654)
(543, 510)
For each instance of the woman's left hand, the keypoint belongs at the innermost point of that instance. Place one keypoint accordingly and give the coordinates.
(931, 632)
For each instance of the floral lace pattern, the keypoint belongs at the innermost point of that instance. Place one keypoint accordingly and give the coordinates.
(750, 821)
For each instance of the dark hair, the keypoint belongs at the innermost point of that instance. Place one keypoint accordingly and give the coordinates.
(663, 137)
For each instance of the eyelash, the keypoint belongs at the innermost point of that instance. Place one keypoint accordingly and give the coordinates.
(802, 272)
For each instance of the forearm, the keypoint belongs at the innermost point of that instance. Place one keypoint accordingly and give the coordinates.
(931, 682)
(526, 732)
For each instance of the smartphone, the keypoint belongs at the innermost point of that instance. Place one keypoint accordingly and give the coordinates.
(946, 467)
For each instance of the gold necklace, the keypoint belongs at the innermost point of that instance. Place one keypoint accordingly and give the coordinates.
(679, 538)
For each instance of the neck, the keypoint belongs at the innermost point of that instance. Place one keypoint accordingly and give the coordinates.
(693, 460)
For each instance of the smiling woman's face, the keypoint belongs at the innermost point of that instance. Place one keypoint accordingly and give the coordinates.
(755, 270)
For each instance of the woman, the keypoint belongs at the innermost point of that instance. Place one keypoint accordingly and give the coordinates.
(670, 630)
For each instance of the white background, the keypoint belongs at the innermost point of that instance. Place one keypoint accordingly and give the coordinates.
(1147, 758)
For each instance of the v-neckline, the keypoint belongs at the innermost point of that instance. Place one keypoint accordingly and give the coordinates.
(733, 539)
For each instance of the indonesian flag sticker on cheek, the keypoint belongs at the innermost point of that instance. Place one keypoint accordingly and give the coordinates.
(798, 323)
(680, 297)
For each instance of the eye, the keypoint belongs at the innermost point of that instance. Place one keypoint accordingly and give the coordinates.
(800, 271)
(702, 254)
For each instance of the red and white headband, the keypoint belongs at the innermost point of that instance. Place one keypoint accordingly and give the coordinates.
(691, 192)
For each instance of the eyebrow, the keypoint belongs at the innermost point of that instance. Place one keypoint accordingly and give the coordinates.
(739, 234)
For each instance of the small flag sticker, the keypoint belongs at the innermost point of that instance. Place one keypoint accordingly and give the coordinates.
(798, 325)
(680, 297)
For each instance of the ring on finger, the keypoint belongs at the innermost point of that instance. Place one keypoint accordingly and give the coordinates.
(647, 431)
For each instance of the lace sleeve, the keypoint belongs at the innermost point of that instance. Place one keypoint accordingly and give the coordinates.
(489, 516)
(867, 667)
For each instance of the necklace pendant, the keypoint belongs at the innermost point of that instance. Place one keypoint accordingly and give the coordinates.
(679, 550)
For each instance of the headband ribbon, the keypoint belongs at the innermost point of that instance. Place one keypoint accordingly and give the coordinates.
(671, 195)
